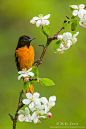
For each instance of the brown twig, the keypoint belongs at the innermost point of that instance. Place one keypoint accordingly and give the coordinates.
(58, 31)
(49, 39)
(20, 105)
(85, 7)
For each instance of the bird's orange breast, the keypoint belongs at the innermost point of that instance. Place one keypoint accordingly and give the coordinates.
(25, 57)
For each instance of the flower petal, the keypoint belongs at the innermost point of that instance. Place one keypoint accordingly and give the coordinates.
(32, 22)
(44, 100)
(33, 109)
(74, 36)
(74, 6)
(42, 117)
(69, 43)
(20, 72)
(81, 6)
(46, 22)
(28, 70)
(36, 95)
(37, 101)
(34, 115)
(21, 118)
(38, 23)
(61, 45)
(42, 112)
(35, 18)
(29, 95)
(81, 13)
(28, 118)
(31, 74)
(19, 77)
(46, 108)
(35, 120)
(67, 36)
(52, 98)
(60, 37)
(84, 26)
(74, 40)
(26, 101)
(80, 23)
(31, 105)
(75, 12)
(21, 112)
(59, 50)
(51, 104)
(26, 110)
(46, 16)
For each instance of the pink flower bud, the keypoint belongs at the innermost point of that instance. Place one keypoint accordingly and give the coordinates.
(42, 23)
(26, 79)
(32, 22)
(49, 114)
(84, 26)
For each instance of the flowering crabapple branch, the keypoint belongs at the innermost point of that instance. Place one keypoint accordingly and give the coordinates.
(35, 107)
(49, 39)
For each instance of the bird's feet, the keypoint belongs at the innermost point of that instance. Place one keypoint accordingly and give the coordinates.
(37, 61)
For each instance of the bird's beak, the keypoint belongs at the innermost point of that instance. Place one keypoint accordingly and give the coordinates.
(31, 39)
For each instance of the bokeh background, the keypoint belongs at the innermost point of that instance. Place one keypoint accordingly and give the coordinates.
(68, 71)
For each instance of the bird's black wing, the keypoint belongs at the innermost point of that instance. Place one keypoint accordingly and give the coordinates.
(17, 63)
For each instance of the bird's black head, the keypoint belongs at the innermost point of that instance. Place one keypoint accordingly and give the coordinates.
(24, 41)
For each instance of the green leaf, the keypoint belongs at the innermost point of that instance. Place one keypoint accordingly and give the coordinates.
(46, 82)
(73, 32)
(65, 24)
(25, 85)
(73, 17)
(45, 31)
(47, 26)
(71, 9)
(56, 45)
(74, 25)
(35, 71)
(72, 20)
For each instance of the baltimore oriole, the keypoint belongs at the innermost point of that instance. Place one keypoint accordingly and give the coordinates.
(24, 55)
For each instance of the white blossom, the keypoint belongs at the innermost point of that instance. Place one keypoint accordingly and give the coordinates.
(67, 41)
(60, 37)
(37, 108)
(67, 36)
(32, 99)
(48, 104)
(82, 17)
(35, 118)
(25, 73)
(40, 20)
(77, 9)
(24, 115)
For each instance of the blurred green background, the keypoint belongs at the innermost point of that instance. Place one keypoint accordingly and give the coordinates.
(68, 71)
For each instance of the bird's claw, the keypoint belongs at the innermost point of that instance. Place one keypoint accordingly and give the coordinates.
(38, 61)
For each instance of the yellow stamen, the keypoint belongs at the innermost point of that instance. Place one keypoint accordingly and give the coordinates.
(31, 99)
(40, 15)
(24, 70)
(78, 8)
(39, 121)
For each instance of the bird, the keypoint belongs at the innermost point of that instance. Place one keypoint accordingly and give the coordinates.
(24, 55)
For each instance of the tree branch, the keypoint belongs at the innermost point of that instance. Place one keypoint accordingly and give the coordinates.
(20, 105)
(49, 39)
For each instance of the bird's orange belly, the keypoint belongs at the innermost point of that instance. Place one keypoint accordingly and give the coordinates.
(25, 57)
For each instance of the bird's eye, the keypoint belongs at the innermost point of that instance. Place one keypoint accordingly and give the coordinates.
(25, 38)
